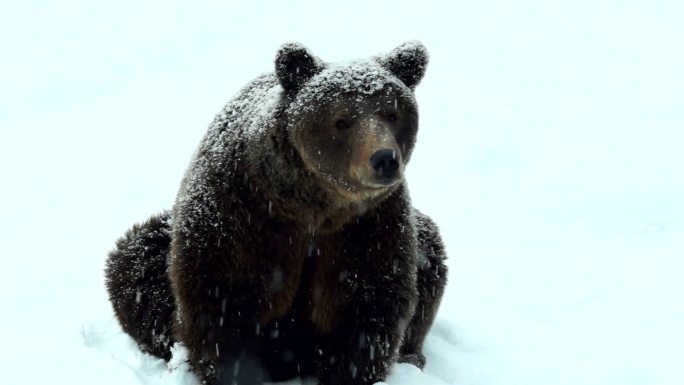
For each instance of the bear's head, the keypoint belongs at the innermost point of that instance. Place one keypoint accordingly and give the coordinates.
(353, 124)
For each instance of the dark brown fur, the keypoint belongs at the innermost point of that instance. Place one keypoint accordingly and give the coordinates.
(139, 286)
(275, 271)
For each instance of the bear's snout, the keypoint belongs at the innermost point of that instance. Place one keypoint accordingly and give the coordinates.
(386, 164)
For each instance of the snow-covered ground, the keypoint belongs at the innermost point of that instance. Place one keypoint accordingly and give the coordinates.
(551, 154)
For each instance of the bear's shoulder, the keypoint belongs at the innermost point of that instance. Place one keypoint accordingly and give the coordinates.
(249, 111)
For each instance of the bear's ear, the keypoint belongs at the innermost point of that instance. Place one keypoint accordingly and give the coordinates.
(295, 64)
(407, 62)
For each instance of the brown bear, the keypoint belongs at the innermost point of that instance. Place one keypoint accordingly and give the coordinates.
(293, 248)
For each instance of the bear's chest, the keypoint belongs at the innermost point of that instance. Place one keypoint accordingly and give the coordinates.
(311, 286)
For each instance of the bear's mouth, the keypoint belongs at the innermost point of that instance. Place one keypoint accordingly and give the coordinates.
(357, 188)
(374, 186)
(374, 182)
(381, 183)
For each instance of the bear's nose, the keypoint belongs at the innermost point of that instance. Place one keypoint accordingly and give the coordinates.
(385, 163)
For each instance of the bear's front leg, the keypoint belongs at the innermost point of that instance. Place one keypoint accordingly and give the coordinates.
(378, 255)
(366, 342)
(217, 322)
(217, 295)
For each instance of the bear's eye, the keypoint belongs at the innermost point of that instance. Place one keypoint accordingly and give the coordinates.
(342, 124)
(389, 116)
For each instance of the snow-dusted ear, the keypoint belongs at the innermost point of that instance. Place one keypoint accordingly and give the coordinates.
(295, 64)
(407, 62)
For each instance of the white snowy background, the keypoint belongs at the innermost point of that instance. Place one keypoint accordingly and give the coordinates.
(551, 154)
